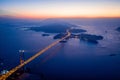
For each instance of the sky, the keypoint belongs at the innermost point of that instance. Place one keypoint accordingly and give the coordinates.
(60, 8)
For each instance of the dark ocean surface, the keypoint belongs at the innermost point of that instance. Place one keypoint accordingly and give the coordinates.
(74, 60)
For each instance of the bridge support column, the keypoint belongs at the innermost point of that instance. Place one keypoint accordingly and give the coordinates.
(22, 58)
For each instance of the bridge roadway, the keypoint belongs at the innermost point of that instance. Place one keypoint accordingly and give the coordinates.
(5, 76)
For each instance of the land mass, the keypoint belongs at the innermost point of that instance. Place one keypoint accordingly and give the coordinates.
(84, 37)
(52, 27)
(118, 29)
(77, 30)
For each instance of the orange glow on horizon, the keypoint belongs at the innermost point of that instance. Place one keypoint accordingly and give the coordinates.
(56, 16)
(70, 12)
(61, 9)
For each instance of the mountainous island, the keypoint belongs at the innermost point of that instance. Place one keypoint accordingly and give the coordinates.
(60, 27)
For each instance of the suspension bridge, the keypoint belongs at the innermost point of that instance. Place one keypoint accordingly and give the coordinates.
(5, 76)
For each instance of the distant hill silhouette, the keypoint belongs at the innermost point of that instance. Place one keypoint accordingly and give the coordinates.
(52, 26)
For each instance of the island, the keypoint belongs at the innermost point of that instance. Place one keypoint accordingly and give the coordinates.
(60, 27)
(77, 30)
(90, 38)
(84, 37)
(59, 36)
(45, 34)
(118, 29)
(52, 27)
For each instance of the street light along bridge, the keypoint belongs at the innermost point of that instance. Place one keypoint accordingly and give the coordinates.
(5, 76)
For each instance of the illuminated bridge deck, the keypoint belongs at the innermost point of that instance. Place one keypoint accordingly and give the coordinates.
(5, 76)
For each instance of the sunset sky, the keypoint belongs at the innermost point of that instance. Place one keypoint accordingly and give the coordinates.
(60, 8)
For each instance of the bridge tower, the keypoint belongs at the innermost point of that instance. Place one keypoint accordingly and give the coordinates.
(22, 59)
(22, 56)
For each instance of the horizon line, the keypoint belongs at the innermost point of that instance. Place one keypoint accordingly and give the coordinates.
(74, 17)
